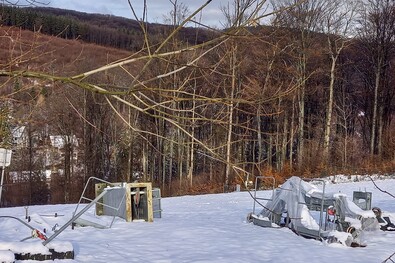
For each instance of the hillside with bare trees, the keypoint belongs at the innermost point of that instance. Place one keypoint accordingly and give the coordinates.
(310, 95)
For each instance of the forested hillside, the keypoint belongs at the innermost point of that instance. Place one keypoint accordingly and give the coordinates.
(309, 95)
(105, 30)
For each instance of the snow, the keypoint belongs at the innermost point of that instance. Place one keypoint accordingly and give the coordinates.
(6, 256)
(27, 247)
(203, 228)
(307, 220)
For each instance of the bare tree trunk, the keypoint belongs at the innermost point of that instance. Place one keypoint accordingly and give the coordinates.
(259, 124)
(375, 105)
(301, 98)
(270, 150)
(230, 118)
(85, 172)
(144, 150)
(277, 142)
(67, 164)
(301, 101)
(329, 112)
(292, 132)
(30, 138)
(180, 153)
(284, 142)
(163, 156)
(129, 166)
(192, 147)
(380, 131)
(345, 128)
(171, 157)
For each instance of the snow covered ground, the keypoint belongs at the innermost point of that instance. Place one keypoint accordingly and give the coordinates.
(204, 228)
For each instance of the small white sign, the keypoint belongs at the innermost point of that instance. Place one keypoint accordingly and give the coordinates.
(5, 157)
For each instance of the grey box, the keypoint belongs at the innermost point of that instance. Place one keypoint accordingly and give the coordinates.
(156, 197)
(362, 199)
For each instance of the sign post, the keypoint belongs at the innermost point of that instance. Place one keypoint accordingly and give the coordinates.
(5, 160)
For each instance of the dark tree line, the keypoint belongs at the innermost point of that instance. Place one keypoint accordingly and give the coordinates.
(66, 26)
(105, 30)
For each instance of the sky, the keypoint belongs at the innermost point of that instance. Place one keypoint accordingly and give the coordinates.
(198, 229)
(157, 9)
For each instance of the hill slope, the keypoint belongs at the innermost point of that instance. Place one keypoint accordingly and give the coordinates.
(106, 30)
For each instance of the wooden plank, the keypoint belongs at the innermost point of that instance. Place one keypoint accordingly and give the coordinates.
(128, 204)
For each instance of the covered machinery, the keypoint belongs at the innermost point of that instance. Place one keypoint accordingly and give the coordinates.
(313, 213)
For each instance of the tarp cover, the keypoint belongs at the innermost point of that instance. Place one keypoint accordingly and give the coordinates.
(290, 198)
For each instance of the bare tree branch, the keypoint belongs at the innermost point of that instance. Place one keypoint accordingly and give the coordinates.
(389, 259)
(28, 3)
(381, 190)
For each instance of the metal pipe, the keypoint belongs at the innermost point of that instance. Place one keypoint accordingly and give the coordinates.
(1, 183)
(2, 174)
(7, 155)
(75, 217)
(86, 186)
(20, 220)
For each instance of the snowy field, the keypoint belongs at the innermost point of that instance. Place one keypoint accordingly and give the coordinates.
(204, 228)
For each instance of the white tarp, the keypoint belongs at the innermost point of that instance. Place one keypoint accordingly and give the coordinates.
(290, 198)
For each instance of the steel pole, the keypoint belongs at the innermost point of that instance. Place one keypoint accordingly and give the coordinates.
(2, 174)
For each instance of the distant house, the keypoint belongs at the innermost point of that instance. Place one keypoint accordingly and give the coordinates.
(56, 153)
(49, 148)
(19, 137)
(58, 141)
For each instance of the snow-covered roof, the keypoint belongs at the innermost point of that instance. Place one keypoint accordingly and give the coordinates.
(17, 132)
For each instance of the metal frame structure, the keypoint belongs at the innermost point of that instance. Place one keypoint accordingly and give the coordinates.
(313, 204)
(86, 208)
(255, 190)
(22, 222)
(263, 223)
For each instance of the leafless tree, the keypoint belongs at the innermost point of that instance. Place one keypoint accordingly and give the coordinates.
(338, 25)
(304, 20)
(378, 32)
(145, 95)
